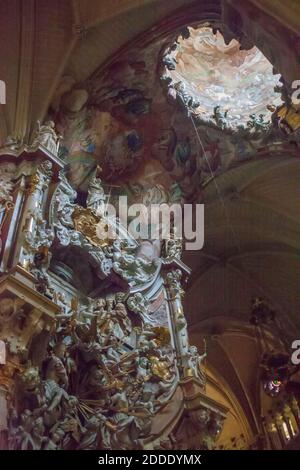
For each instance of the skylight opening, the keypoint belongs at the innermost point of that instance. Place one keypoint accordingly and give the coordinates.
(218, 76)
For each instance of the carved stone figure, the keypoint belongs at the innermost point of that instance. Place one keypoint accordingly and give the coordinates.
(138, 304)
(30, 432)
(12, 143)
(10, 309)
(63, 208)
(37, 244)
(123, 319)
(173, 248)
(55, 368)
(96, 197)
(47, 136)
(132, 269)
(54, 441)
(6, 183)
(192, 363)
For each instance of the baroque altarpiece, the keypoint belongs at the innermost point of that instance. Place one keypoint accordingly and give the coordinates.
(94, 333)
(94, 348)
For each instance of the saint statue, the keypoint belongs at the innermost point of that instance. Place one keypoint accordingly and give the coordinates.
(96, 197)
(47, 136)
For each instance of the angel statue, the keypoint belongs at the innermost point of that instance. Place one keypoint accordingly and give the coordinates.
(96, 197)
(193, 363)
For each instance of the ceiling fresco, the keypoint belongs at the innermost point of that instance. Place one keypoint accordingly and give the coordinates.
(143, 128)
(215, 73)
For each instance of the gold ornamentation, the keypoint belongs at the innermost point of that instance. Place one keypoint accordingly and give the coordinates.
(160, 368)
(7, 373)
(85, 222)
(289, 118)
(32, 183)
(271, 427)
(162, 335)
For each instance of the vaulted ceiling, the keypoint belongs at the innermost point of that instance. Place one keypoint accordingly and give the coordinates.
(252, 243)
